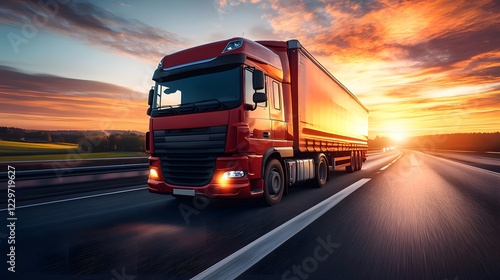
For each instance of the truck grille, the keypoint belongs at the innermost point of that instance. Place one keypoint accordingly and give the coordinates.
(188, 155)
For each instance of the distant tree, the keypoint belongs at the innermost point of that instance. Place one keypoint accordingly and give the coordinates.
(115, 142)
(35, 136)
(73, 137)
(58, 138)
(93, 144)
(132, 142)
(46, 136)
(84, 146)
(3, 132)
(458, 141)
(14, 133)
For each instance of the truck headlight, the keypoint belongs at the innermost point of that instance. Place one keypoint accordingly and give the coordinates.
(231, 46)
(233, 175)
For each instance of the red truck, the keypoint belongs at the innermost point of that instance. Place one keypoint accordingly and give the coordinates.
(241, 118)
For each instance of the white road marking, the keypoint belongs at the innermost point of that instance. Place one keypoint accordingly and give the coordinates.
(241, 260)
(75, 198)
(385, 167)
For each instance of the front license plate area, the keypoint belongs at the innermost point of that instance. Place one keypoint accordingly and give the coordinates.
(183, 192)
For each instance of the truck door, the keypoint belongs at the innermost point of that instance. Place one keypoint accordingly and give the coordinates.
(258, 120)
(275, 100)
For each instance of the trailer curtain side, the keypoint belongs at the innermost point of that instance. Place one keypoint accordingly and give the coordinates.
(327, 116)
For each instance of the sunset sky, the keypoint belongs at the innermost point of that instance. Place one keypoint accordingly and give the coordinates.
(420, 67)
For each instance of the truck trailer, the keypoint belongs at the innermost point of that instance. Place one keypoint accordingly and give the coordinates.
(241, 119)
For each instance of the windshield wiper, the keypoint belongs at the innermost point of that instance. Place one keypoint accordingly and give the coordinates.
(204, 105)
(168, 109)
(211, 104)
(183, 108)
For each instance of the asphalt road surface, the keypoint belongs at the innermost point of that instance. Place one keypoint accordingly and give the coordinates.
(405, 215)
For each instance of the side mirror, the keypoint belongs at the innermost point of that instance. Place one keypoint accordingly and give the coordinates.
(259, 97)
(150, 101)
(151, 95)
(258, 80)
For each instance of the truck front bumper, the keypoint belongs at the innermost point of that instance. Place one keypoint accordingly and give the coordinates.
(250, 185)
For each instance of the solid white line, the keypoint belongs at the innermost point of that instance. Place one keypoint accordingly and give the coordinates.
(241, 260)
(385, 167)
(74, 198)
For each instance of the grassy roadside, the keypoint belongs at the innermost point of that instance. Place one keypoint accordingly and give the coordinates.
(11, 151)
(26, 148)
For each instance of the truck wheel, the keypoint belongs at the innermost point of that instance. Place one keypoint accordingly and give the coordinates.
(355, 157)
(356, 161)
(321, 171)
(351, 168)
(274, 183)
(360, 160)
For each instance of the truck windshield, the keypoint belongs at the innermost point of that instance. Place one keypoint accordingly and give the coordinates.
(207, 91)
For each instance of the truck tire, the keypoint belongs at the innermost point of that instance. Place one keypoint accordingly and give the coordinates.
(356, 161)
(351, 168)
(360, 160)
(274, 183)
(321, 171)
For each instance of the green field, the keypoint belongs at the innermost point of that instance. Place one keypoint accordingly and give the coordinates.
(25, 148)
(26, 151)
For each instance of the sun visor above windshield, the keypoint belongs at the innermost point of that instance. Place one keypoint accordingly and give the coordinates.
(226, 60)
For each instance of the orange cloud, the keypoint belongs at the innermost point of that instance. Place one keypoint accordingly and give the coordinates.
(419, 66)
(414, 64)
(50, 102)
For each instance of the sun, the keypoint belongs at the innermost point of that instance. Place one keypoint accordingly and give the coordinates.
(398, 136)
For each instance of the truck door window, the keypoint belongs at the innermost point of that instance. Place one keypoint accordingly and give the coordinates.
(276, 96)
(248, 87)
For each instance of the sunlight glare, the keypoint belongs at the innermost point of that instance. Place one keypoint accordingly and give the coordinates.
(398, 135)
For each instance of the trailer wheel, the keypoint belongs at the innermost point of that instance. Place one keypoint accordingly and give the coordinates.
(360, 160)
(321, 171)
(356, 161)
(353, 167)
(274, 183)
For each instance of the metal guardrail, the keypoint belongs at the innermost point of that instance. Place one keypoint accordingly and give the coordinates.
(81, 160)
(90, 175)
(73, 171)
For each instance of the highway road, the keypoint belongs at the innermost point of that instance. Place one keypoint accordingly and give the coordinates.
(405, 215)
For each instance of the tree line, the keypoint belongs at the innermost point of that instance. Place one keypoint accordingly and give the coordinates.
(87, 141)
(113, 142)
(479, 142)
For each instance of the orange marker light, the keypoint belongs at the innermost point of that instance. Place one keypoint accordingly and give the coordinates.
(153, 174)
